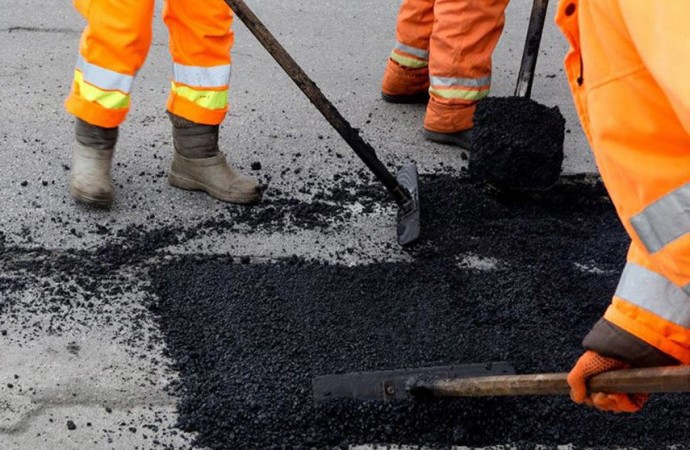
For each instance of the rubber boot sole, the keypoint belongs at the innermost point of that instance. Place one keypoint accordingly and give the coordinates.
(88, 199)
(462, 139)
(183, 182)
(421, 98)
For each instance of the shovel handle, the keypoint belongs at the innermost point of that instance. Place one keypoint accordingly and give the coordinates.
(365, 151)
(531, 50)
(648, 380)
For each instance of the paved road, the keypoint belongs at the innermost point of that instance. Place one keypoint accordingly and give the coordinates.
(96, 359)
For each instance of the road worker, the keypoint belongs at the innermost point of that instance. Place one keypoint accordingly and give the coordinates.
(627, 68)
(443, 57)
(113, 48)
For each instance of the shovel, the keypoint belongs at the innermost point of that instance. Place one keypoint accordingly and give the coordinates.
(403, 187)
(488, 380)
(517, 143)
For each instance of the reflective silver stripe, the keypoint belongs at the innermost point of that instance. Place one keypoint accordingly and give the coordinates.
(655, 293)
(418, 52)
(460, 82)
(665, 220)
(104, 78)
(216, 76)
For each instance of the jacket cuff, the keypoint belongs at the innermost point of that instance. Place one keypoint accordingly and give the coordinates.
(611, 341)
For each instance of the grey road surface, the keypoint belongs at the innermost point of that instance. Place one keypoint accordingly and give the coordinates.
(103, 368)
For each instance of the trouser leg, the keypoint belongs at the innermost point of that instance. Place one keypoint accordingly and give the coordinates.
(113, 48)
(406, 78)
(464, 36)
(200, 44)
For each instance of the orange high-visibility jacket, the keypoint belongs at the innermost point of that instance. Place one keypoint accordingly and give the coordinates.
(628, 69)
(455, 40)
(116, 41)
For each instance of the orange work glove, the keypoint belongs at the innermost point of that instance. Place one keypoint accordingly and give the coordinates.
(590, 364)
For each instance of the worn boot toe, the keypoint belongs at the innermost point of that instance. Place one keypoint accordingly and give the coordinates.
(462, 139)
(90, 182)
(215, 177)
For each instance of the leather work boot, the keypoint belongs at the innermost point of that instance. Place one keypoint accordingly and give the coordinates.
(405, 85)
(462, 139)
(198, 164)
(90, 182)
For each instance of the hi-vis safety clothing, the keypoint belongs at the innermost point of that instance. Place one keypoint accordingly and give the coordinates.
(628, 69)
(454, 41)
(114, 46)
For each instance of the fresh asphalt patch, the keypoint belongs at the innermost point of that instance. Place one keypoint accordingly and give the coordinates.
(496, 277)
(248, 339)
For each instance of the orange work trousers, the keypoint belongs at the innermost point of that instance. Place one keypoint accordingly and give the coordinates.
(628, 70)
(455, 39)
(116, 41)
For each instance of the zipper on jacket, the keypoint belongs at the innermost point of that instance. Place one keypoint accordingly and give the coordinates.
(581, 79)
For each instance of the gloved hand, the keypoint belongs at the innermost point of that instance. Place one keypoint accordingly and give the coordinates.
(590, 364)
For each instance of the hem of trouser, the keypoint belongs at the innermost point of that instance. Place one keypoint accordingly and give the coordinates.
(648, 335)
(399, 81)
(182, 107)
(93, 113)
(449, 118)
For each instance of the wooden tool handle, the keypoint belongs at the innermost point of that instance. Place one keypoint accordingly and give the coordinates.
(363, 149)
(531, 50)
(650, 380)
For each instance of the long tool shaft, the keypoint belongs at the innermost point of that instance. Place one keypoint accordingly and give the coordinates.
(365, 151)
(649, 380)
(531, 51)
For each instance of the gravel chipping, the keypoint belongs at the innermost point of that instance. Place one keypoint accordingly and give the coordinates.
(248, 338)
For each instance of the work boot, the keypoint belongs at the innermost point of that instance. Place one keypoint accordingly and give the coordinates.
(449, 123)
(405, 85)
(462, 139)
(90, 182)
(198, 164)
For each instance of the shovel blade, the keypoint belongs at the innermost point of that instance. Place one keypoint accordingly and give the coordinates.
(392, 385)
(408, 217)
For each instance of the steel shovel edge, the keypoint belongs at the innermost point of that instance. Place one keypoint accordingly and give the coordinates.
(409, 216)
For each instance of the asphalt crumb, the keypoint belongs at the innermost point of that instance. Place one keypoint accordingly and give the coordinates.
(247, 339)
(496, 276)
(517, 143)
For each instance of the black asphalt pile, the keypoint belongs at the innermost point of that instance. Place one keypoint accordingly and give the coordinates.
(497, 277)
(517, 143)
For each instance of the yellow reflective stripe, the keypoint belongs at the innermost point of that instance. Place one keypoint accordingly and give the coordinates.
(107, 99)
(204, 99)
(464, 94)
(408, 62)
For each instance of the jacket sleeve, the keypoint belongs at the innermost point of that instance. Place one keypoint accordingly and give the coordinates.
(661, 34)
(611, 341)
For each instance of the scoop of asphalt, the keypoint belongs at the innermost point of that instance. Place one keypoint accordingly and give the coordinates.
(517, 143)
(248, 339)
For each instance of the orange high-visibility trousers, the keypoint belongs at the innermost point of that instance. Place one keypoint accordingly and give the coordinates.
(455, 40)
(114, 46)
(628, 70)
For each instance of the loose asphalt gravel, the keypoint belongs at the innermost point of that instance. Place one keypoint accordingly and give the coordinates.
(248, 339)
(496, 277)
(517, 143)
